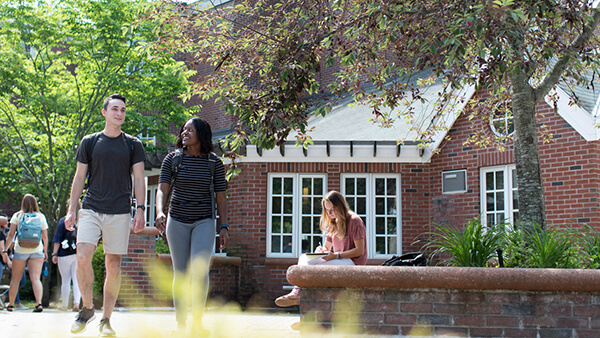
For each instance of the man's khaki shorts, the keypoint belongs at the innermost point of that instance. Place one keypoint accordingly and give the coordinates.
(113, 229)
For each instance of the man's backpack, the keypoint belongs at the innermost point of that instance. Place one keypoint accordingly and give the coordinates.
(30, 230)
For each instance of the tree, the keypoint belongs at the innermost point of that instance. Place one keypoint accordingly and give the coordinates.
(58, 61)
(267, 57)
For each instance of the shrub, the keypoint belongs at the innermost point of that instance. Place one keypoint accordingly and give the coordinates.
(161, 247)
(472, 246)
(99, 273)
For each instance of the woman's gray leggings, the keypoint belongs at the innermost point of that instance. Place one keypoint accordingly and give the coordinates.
(190, 244)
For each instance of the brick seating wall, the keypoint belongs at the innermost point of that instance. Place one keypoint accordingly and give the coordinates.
(442, 301)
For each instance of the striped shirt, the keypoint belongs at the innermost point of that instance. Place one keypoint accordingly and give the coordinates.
(190, 199)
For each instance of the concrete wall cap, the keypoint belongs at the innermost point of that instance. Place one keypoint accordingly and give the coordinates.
(400, 277)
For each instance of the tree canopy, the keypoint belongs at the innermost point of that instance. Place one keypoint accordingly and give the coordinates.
(58, 61)
(268, 57)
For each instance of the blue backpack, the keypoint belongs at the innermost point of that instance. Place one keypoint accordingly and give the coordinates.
(30, 230)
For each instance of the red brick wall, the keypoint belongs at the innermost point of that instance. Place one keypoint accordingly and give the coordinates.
(570, 172)
(464, 313)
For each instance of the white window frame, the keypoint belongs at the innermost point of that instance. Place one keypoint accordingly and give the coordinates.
(509, 189)
(370, 215)
(296, 211)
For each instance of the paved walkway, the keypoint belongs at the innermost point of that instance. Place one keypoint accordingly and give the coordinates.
(148, 324)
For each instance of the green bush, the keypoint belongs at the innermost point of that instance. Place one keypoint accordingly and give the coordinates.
(475, 245)
(99, 273)
(162, 247)
(472, 246)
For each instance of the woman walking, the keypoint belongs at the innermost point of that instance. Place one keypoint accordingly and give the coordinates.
(190, 224)
(64, 253)
(30, 249)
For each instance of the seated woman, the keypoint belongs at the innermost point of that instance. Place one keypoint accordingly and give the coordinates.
(345, 240)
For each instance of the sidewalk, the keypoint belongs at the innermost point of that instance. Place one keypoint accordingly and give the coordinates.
(147, 323)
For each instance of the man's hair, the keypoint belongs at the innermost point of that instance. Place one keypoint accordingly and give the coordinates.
(112, 97)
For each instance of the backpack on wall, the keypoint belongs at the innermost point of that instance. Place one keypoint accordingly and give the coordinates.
(30, 230)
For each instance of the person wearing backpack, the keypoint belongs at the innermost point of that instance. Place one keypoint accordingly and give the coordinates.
(30, 227)
(64, 253)
(109, 157)
(197, 179)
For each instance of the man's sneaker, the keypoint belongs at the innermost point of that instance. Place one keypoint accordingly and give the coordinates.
(21, 307)
(84, 316)
(105, 329)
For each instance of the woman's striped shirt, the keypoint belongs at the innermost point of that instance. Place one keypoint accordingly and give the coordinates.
(190, 199)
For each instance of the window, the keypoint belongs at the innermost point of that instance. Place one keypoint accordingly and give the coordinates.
(454, 181)
(147, 140)
(150, 203)
(501, 121)
(499, 195)
(376, 199)
(294, 213)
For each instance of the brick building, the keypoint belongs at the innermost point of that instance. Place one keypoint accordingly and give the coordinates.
(400, 191)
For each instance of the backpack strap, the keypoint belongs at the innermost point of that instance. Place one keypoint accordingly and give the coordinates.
(175, 167)
(212, 161)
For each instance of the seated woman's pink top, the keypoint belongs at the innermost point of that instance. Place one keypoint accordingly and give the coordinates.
(355, 230)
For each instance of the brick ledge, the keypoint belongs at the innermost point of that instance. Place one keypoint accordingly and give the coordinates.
(445, 278)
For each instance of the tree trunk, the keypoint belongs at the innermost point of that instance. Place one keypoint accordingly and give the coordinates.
(532, 208)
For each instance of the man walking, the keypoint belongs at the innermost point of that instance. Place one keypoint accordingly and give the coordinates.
(107, 159)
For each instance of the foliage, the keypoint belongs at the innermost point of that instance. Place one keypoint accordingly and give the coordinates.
(99, 272)
(271, 62)
(162, 247)
(555, 247)
(58, 61)
(588, 247)
(472, 246)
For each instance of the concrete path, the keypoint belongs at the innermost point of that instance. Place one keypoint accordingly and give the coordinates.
(148, 324)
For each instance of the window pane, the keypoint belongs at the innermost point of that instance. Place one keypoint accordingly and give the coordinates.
(275, 244)
(277, 185)
(489, 181)
(287, 205)
(391, 206)
(489, 200)
(351, 204)
(317, 207)
(306, 205)
(499, 201)
(316, 225)
(276, 224)
(306, 225)
(516, 199)
(318, 186)
(306, 186)
(287, 243)
(391, 187)
(380, 245)
(392, 245)
(499, 180)
(380, 225)
(391, 226)
(490, 219)
(379, 186)
(288, 186)
(514, 178)
(361, 208)
(287, 225)
(276, 205)
(361, 188)
(350, 186)
(379, 206)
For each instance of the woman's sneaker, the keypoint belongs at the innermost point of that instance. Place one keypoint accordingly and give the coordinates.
(84, 316)
(105, 329)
